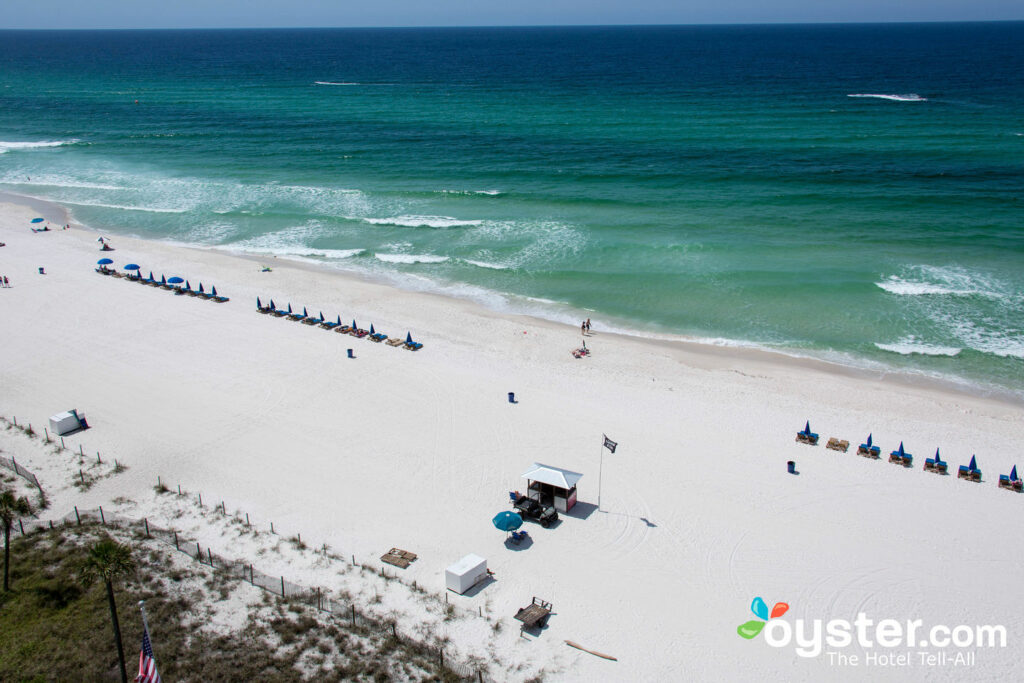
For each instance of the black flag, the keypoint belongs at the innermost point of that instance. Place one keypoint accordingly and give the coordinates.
(609, 444)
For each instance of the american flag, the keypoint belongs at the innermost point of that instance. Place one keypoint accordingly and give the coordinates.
(147, 664)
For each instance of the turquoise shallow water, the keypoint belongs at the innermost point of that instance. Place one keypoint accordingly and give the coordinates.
(849, 192)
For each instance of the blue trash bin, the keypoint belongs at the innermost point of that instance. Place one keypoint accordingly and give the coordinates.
(350, 354)
(511, 397)
(791, 467)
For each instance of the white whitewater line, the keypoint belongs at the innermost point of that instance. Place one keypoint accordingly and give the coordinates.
(911, 97)
(333, 83)
(122, 207)
(410, 258)
(910, 346)
(484, 264)
(424, 222)
(7, 146)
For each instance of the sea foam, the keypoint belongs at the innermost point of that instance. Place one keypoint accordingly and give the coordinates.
(410, 258)
(8, 146)
(911, 345)
(424, 222)
(911, 97)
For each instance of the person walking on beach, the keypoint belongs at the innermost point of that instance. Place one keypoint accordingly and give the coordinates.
(6, 282)
(588, 324)
(583, 327)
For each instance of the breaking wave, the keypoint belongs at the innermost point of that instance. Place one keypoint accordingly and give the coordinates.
(911, 97)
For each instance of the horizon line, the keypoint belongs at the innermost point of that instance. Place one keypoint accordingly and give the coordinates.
(492, 26)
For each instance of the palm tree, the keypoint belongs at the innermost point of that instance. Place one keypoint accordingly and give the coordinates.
(11, 508)
(109, 560)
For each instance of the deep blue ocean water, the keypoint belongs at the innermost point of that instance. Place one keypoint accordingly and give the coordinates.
(851, 192)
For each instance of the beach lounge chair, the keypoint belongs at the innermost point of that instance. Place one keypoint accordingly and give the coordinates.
(519, 536)
(359, 333)
(310, 320)
(807, 436)
(398, 557)
(901, 457)
(296, 316)
(534, 615)
(394, 342)
(343, 329)
(837, 445)
(969, 472)
(936, 464)
(261, 308)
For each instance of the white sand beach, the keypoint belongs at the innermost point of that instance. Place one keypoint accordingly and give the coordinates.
(419, 450)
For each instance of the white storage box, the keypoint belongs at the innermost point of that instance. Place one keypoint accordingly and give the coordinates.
(65, 423)
(466, 573)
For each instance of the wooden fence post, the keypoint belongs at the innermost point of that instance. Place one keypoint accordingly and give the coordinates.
(272, 528)
(81, 453)
(247, 519)
(22, 525)
(62, 446)
(103, 520)
(176, 541)
(353, 616)
(200, 500)
(146, 522)
(47, 431)
(282, 586)
(99, 461)
(209, 554)
(179, 489)
(77, 516)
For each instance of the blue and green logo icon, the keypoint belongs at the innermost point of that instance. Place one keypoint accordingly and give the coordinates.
(760, 609)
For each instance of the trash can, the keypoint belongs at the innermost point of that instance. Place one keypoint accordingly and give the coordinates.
(791, 467)
(350, 354)
(511, 397)
(41, 271)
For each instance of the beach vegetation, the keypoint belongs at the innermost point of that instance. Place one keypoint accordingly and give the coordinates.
(11, 508)
(109, 561)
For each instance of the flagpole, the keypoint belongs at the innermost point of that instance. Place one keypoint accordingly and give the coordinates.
(145, 623)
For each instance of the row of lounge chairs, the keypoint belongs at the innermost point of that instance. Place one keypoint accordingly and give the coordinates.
(354, 330)
(899, 456)
(174, 284)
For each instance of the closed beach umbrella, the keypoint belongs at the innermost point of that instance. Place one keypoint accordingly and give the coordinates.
(901, 449)
(1013, 473)
(304, 314)
(105, 261)
(371, 329)
(258, 303)
(937, 458)
(151, 276)
(187, 285)
(213, 290)
(339, 320)
(272, 304)
(408, 337)
(163, 279)
(974, 464)
(289, 306)
(507, 521)
(869, 440)
(321, 316)
(354, 326)
(201, 288)
(807, 427)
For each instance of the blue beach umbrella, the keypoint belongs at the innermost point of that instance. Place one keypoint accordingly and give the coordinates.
(37, 220)
(187, 285)
(321, 316)
(371, 329)
(201, 288)
(869, 440)
(105, 261)
(507, 521)
(289, 306)
(304, 314)
(272, 304)
(354, 326)
(937, 458)
(974, 464)
(901, 449)
(131, 266)
(174, 280)
(807, 427)
(151, 276)
(408, 337)
(259, 304)
(213, 290)
(1013, 473)
(339, 320)
(163, 279)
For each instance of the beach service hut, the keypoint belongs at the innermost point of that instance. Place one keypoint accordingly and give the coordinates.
(65, 423)
(466, 573)
(552, 485)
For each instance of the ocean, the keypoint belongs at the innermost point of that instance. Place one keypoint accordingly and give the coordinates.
(846, 192)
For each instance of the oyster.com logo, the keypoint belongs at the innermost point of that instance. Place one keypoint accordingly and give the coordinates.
(760, 609)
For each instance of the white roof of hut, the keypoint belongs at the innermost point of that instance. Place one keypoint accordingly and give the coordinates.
(555, 476)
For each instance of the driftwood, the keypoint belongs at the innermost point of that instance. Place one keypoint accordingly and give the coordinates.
(596, 654)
